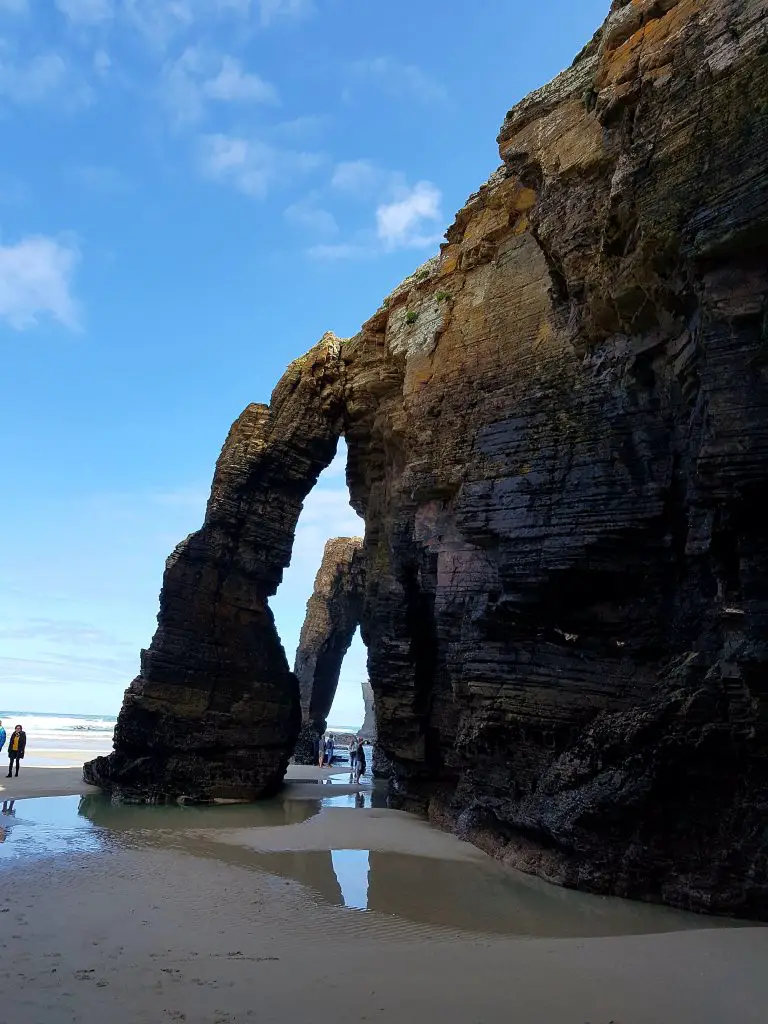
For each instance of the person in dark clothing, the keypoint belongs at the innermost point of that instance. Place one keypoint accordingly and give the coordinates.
(360, 760)
(16, 747)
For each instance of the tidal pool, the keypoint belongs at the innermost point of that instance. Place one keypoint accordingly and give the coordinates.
(480, 896)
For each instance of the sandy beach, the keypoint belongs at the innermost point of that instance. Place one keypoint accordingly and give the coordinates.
(157, 919)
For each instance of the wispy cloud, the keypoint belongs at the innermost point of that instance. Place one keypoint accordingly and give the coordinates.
(308, 216)
(272, 10)
(299, 129)
(86, 12)
(250, 165)
(398, 79)
(199, 76)
(360, 177)
(36, 280)
(233, 84)
(340, 251)
(43, 77)
(159, 22)
(60, 631)
(64, 669)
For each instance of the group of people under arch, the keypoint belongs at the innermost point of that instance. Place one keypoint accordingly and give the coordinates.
(326, 749)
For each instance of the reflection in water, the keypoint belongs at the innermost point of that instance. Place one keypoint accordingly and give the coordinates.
(478, 896)
(47, 825)
(374, 796)
(475, 896)
(181, 817)
(351, 870)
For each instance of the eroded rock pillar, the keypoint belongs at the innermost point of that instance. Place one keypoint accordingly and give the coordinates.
(214, 712)
(333, 615)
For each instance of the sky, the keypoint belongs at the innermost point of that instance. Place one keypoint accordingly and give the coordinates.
(191, 193)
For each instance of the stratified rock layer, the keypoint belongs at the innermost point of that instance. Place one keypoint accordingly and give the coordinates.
(368, 728)
(333, 615)
(558, 437)
(215, 711)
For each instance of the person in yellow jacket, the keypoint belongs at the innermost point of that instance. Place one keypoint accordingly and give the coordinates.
(16, 747)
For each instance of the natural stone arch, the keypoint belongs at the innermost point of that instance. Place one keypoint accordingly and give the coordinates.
(214, 712)
(333, 615)
(558, 438)
(334, 612)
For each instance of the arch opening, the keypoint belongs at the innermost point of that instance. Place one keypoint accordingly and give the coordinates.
(215, 710)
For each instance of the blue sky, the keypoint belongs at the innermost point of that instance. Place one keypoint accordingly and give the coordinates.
(191, 193)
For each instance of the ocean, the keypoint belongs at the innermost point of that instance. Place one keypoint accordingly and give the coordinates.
(61, 740)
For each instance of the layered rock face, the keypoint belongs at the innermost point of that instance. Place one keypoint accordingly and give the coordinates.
(215, 710)
(368, 728)
(558, 438)
(333, 615)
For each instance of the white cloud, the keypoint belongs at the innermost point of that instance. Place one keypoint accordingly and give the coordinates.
(404, 217)
(250, 165)
(398, 79)
(401, 223)
(86, 12)
(35, 279)
(199, 75)
(233, 84)
(306, 215)
(271, 10)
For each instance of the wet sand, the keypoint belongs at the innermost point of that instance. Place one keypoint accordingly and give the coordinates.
(56, 781)
(159, 919)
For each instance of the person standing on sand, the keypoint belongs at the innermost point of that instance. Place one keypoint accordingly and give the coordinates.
(2, 737)
(16, 748)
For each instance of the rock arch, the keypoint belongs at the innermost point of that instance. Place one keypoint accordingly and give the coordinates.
(214, 712)
(558, 439)
(333, 615)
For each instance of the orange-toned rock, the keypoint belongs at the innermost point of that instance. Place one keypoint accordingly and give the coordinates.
(558, 438)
